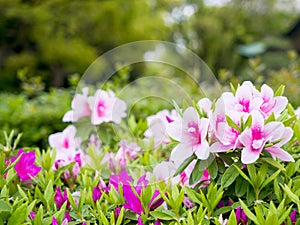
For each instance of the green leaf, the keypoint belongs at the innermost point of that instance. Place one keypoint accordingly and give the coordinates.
(121, 216)
(232, 124)
(193, 195)
(249, 214)
(184, 165)
(269, 179)
(196, 173)
(163, 215)
(229, 176)
(291, 195)
(213, 169)
(18, 216)
(232, 219)
(241, 186)
(280, 91)
(244, 175)
(4, 206)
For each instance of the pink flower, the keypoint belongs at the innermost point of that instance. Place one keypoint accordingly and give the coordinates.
(246, 99)
(80, 107)
(130, 149)
(205, 106)
(227, 137)
(186, 174)
(106, 107)
(255, 138)
(270, 103)
(191, 132)
(25, 167)
(157, 126)
(65, 141)
(165, 171)
(67, 145)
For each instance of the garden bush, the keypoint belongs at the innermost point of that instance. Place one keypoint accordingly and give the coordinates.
(36, 118)
(234, 160)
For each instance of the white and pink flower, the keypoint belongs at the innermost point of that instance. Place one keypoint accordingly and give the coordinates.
(67, 149)
(106, 107)
(80, 107)
(190, 131)
(270, 103)
(157, 126)
(255, 138)
(226, 136)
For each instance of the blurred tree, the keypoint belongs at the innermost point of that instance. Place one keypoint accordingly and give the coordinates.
(58, 37)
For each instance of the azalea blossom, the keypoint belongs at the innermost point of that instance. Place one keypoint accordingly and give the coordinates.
(255, 138)
(246, 99)
(67, 150)
(106, 107)
(25, 167)
(65, 142)
(186, 174)
(270, 103)
(60, 198)
(241, 217)
(132, 201)
(157, 126)
(226, 136)
(80, 107)
(130, 149)
(205, 106)
(165, 171)
(190, 132)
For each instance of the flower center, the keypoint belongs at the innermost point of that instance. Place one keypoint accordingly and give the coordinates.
(66, 143)
(257, 138)
(245, 105)
(194, 133)
(101, 108)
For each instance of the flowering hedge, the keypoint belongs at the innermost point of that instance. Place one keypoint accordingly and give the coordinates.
(230, 161)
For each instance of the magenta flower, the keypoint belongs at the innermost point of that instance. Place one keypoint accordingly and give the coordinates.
(191, 132)
(106, 107)
(60, 198)
(255, 138)
(293, 216)
(241, 216)
(25, 167)
(31, 215)
(97, 193)
(140, 222)
(132, 201)
(80, 107)
(123, 178)
(64, 222)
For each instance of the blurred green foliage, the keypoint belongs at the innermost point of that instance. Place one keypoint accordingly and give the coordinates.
(56, 38)
(36, 118)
